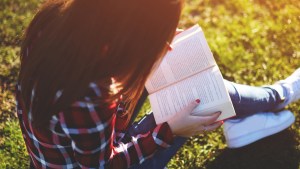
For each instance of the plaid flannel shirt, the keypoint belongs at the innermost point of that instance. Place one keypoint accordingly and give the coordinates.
(89, 135)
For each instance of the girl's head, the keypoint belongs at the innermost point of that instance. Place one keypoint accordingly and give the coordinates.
(70, 43)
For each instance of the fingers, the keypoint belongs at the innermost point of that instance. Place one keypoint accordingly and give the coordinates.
(205, 120)
(185, 124)
(212, 126)
(211, 119)
(201, 129)
(191, 106)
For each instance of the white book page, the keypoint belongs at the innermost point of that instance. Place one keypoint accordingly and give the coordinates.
(208, 86)
(190, 55)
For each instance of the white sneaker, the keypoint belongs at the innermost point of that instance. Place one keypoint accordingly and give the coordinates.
(292, 89)
(241, 132)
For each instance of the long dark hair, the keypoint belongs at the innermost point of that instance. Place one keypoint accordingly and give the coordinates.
(70, 43)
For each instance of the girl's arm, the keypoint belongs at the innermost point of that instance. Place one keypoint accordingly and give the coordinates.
(91, 130)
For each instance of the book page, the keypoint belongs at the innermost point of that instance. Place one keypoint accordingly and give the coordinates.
(208, 86)
(190, 55)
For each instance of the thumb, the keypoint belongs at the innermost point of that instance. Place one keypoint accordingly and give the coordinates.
(191, 106)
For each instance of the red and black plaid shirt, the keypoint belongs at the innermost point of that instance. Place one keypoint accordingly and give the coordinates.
(88, 135)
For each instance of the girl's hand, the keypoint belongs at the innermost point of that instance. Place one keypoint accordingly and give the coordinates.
(186, 125)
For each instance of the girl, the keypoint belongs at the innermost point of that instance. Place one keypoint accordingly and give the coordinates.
(73, 115)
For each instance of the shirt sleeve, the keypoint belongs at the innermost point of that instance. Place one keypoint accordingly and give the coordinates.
(91, 129)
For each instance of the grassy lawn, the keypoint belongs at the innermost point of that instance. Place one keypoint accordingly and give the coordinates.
(254, 42)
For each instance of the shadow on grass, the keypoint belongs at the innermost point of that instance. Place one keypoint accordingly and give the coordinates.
(278, 151)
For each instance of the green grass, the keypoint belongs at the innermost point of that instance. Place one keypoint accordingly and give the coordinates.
(254, 42)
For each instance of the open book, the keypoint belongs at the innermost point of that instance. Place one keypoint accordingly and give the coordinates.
(188, 72)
